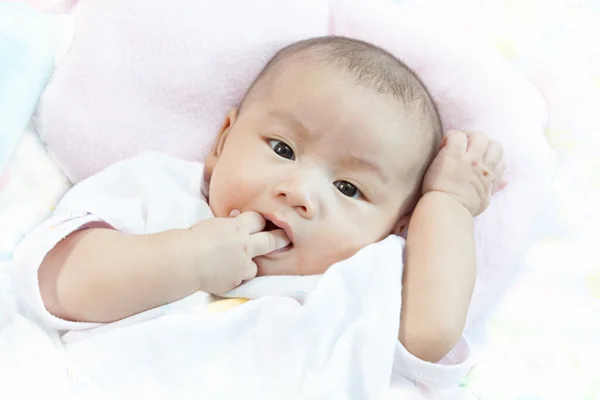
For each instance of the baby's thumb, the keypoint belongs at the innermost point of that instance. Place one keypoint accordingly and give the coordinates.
(234, 213)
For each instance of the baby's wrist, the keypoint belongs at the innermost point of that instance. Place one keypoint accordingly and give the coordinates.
(175, 244)
(445, 199)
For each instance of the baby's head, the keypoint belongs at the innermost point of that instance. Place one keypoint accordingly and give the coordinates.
(331, 142)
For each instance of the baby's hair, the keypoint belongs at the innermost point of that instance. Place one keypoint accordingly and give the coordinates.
(369, 65)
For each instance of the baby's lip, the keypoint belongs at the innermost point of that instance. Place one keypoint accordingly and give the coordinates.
(281, 224)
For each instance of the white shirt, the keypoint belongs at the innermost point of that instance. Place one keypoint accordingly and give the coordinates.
(153, 193)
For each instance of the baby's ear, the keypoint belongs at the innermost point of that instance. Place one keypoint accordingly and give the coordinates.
(230, 118)
(204, 188)
(215, 152)
(401, 226)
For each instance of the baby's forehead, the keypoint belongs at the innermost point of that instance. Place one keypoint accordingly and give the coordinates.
(307, 92)
(379, 131)
(361, 63)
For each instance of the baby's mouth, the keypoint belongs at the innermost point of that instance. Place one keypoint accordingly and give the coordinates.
(270, 226)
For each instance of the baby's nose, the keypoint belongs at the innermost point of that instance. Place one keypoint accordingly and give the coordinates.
(298, 196)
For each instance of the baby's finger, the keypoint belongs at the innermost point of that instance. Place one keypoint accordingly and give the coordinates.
(234, 213)
(251, 222)
(478, 144)
(493, 155)
(456, 142)
(501, 168)
(499, 180)
(262, 243)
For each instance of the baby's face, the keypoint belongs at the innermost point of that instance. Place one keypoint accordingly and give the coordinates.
(321, 157)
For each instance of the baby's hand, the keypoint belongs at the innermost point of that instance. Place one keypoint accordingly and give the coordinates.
(221, 249)
(469, 167)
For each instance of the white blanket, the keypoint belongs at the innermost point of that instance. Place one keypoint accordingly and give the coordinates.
(339, 343)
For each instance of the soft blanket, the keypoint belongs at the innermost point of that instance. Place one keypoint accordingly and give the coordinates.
(332, 337)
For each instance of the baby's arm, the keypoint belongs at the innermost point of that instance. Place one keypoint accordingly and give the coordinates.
(103, 275)
(440, 265)
(438, 277)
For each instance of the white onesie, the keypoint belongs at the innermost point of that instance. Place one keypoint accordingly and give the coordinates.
(152, 193)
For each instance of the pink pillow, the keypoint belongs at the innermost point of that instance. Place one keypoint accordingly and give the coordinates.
(160, 75)
(156, 75)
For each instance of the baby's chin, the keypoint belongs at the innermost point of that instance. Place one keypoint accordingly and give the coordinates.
(275, 264)
(268, 265)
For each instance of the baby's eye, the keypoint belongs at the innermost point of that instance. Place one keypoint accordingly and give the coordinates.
(348, 189)
(282, 149)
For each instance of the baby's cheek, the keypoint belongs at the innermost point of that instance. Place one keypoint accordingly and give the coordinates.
(339, 240)
(224, 197)
(319, 255)
(342, 248)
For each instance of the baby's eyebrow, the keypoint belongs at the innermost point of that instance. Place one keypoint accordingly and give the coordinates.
(357, 163)
(290, 120)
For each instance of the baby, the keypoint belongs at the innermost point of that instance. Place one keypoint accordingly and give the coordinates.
(336, 145)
